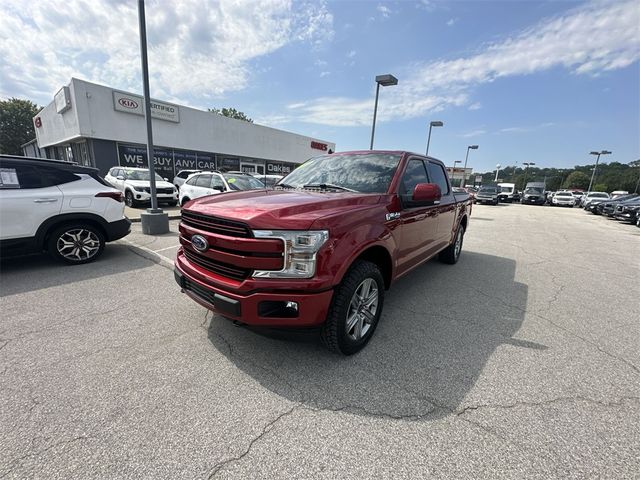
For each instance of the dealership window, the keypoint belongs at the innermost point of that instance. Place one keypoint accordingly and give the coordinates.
(80, 154)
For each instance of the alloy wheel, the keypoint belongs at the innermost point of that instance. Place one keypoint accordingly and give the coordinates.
(78, 244)
(362, 309)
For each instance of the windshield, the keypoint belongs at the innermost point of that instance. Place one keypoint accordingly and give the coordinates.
(506, 189)
(366, 173)
(598, 195)
(564, 194)
(143, 175)
(488, 190)
(243, 182)
(533, 191)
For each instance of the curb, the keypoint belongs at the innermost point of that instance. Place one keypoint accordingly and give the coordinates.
(149, 254)
(171, 217)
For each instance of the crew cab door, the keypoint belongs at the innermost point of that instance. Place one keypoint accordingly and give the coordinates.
(418, 223)
(447, 207)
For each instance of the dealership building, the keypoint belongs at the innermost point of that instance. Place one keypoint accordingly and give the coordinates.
(100, 127)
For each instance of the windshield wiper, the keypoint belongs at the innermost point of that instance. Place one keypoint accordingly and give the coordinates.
(283, 185)
(326, 186)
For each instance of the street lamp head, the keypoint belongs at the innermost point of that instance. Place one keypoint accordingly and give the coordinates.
(605, 152)
(437, 123)
(594, 153)
(498, 165)
(386, 80)
(473, 147)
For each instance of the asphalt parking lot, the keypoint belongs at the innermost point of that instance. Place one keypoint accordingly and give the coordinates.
(521, 361)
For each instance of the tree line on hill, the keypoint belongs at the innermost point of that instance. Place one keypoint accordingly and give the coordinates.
(609, 177)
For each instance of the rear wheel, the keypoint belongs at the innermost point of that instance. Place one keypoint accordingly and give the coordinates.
(355, 309)
(451, 254)
(76, 243)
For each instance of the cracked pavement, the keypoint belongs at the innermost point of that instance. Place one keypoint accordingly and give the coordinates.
(520, 361)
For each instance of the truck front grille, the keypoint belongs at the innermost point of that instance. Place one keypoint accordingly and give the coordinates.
(217, 225)
(224, 269)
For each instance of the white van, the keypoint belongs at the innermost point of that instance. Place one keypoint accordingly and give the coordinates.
(507, 192)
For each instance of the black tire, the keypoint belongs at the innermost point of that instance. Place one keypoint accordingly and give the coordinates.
(451, 254)
(185, 200)
(129, 200)
(335, 334)
(172, 204)
(76, 243)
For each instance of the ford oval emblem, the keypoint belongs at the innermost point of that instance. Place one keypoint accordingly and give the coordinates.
(199, 243)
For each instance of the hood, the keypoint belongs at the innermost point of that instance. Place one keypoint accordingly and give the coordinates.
(281, 209)
(147, 184)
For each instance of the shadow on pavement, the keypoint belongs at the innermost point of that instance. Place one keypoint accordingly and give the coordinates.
(35, 272)
(439, 327)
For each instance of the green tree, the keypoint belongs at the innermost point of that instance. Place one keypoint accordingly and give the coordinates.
(16, 124)
(599, 187)
(231, 113)
(577, 180)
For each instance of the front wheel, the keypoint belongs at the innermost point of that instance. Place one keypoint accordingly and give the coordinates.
(355, 309)
(128, 199)
(451, 254)
(76, 243)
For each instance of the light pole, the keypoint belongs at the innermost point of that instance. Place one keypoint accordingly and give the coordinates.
(385, 81)
(526, 167)
(154, 221)
(464, 171)
(603, 152)
(435, 123)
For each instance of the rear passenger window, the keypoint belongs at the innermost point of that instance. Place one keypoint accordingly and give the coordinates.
(192, 180)
(437, 175)
(204, 181)
(55, 176)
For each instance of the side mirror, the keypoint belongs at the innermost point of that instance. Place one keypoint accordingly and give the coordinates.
(119, 177)
(218, 188)
(426, 193)
(166, 179)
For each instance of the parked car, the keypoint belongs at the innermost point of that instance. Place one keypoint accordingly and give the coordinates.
(628, 211)
(593, 196)
(534, 194)
(135, 183)
(181, 176)
(618, 193)
(487, 194)
(211, 183)
(607, 208)
(563, 199)
(508, 192)
(324, 245)
(577, 195)
(269, 180)
(59, 208)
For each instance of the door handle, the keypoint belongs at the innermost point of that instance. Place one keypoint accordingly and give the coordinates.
(45, 200)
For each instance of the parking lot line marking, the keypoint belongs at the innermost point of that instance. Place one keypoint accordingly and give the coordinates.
(166, 248)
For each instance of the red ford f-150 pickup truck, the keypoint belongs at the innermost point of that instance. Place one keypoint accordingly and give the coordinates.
(321, 248)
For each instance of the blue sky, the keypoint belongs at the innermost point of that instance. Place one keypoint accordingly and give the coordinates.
(541, 81)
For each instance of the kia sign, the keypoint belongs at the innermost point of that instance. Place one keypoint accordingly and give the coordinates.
(127, 103)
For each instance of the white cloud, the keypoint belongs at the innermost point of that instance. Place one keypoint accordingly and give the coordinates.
(475, 106)
(324, 74)
(473, 133)
(196, 48)
(351, 54)
(527, 129)
(591, 39)
(451, 22)
(384, 10)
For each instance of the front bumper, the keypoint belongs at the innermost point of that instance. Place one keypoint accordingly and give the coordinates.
(162, 197)
(118, 229)
(534, 200)
(253, 308)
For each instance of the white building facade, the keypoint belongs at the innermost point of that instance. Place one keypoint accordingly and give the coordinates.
(100, 127)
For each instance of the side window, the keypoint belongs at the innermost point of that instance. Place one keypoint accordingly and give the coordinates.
(182, 175)
(20, 176)
(56, 176)
(437, 175)
(192, 180)
(217, 182)
(204, 181)
(413, 175)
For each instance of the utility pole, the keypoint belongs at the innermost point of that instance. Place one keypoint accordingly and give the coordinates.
(603, 152)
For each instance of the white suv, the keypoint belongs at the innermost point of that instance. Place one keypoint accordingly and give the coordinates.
(58, 207)
(212, 183)
(135, 183)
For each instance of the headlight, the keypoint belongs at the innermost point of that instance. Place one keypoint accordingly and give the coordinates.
(300, 248)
